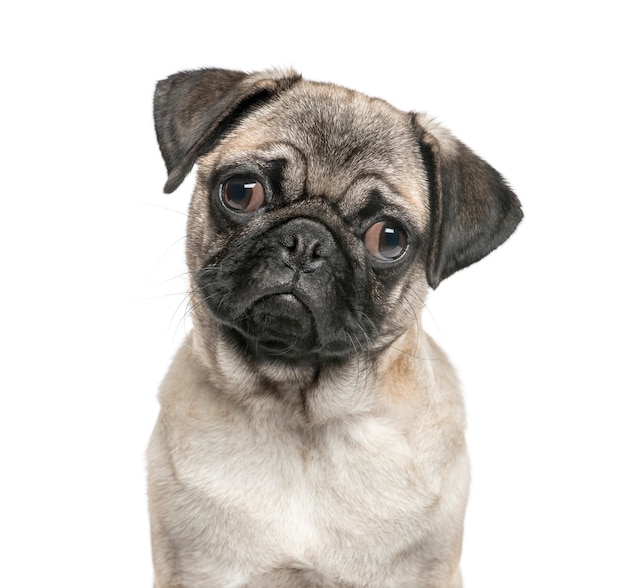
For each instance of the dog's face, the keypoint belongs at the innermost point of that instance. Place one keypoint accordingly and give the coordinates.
(320, 216)
(311, 248)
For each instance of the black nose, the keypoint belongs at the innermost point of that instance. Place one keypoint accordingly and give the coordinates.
(306, 244)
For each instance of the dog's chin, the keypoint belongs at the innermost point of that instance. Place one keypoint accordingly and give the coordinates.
(281, 328)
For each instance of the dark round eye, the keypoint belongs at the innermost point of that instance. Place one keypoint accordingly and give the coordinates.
(385, 240)
(242, 194)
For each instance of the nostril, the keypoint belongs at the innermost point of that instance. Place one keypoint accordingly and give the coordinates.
(290, 240)
(321, 249)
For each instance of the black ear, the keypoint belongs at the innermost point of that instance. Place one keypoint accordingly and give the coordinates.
(472, 209)
(192, 109)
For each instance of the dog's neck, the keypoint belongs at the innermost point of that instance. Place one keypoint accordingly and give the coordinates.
(314, 396)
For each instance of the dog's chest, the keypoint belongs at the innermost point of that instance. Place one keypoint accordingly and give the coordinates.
(311, 497)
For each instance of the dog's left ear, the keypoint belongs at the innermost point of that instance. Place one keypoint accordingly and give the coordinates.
(193, 109)
(472, 209)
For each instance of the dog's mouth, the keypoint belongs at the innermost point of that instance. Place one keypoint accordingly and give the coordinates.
(279, 324)
(291, 295)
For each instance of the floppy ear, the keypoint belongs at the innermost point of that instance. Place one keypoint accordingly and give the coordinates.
(192, 110)
(472, 209)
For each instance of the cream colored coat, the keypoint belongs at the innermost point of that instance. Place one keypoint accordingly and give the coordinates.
(365, 482)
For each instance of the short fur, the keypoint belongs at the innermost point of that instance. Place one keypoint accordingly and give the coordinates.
(311, 433)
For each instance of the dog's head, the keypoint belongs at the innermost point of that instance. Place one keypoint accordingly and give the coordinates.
(320, 216)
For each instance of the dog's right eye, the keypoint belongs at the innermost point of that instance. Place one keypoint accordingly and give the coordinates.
(242, 194)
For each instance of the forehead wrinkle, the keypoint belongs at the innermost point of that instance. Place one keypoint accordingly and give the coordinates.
(338, 128)
(265, 151)
(270, 149)
(362, 188)
(377, 190)
(337, 134)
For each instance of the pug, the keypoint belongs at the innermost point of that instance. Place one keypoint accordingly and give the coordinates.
(311, 434)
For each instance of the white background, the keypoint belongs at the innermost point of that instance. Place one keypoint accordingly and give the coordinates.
(92, 296)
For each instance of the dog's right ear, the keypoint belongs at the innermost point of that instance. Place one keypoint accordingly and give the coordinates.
(193, 109)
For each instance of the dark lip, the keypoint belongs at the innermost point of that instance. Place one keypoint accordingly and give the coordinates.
(276, 348)
(289, 320)
(270, 349)
(286, 347)
(275, 351)
(279, 290)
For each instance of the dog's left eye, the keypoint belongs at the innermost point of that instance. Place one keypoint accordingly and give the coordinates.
(242, 194)
(386, 240)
